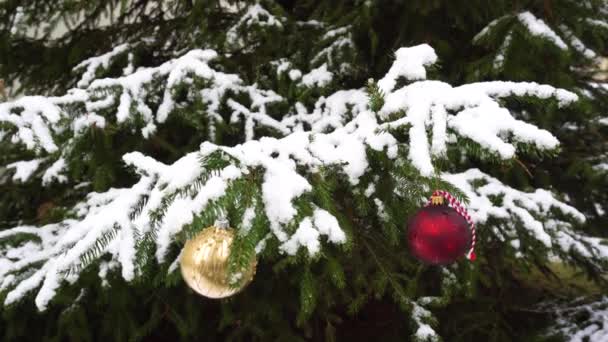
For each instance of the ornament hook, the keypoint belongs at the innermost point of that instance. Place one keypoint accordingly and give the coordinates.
(222, 220)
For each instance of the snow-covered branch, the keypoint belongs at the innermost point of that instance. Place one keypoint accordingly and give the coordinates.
(341, 132)
(539, 212)
(562, 37)
(580, 320)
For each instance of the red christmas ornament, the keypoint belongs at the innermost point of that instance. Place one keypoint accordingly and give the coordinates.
(439, 234)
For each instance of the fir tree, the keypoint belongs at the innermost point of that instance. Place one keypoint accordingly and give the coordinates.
(317, 128)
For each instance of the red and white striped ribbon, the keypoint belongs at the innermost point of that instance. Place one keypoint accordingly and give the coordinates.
(460, 209)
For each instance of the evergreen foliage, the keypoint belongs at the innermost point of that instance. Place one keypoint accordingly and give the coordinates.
(317, 128)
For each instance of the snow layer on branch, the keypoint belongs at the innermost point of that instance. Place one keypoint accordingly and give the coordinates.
(53, 173)
(257, 114)
(537, 27)
(336, 41)
(89, 120)
(38, 121)
(319, 77)
(477, 116)
(410, 63)
(499, 60)
(463, 109)
(133, 92)
(32, 116)
(329, 113)
(91, 65)
(488, 28)
(341, 130)
(424, 332)
(527, 208)
(344, 147)
(24, 169)
(598, 23)
(255, 15)
(577, 44)
(63, 245)
(580, 320)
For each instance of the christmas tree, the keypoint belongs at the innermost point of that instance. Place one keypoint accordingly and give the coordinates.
(311, 132)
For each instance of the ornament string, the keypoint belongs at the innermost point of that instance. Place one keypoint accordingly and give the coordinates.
(436, 198)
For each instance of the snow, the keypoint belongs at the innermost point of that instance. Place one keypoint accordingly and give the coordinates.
(423, 101)
(281, 185)
(147, 166)
(330, 112)
(18, 20)
(255, 15)
(248, 217)
(598, 23)
(335, 46)
(336, 133)
(70, 244)
(88, 120)
(92, 65)
(424, 331)
(599, 209)
(24, 169)
(339, 38)
(312, 23)
(336, 32)
(371, 188)
(194, 62)
(478, 116)
(319, 77)
(499, 60)
(491, 25)
(308, 233)
(580, 320)
(381, 210)
(327, 224)
(36, 112)
(259, 117)
(38, 119)
(538, 27)
(410, 63)
(281, 65)
(524, 208)
(182, 209)
(439, 139)
(53, 173)
(577, 44)
(305, 236)
(295, 74)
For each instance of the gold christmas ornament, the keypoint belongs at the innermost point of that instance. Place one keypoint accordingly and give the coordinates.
(204, 262)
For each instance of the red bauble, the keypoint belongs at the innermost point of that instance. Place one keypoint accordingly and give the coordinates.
(438, 234)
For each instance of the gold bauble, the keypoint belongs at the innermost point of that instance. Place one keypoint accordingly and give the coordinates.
(204, 263)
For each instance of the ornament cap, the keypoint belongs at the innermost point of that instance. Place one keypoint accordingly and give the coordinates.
(436, 200)
(222, 222)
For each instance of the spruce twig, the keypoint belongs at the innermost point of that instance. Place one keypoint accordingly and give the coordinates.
(376, 96)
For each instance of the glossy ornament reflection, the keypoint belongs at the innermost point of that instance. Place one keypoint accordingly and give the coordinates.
(204, 263)
(438, 234)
